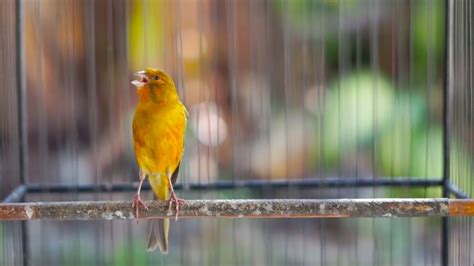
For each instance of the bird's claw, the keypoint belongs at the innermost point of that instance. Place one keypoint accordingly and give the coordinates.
(136, 204)
(177, 201)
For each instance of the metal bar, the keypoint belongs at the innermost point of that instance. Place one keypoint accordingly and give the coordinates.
(20, 92)
(16, 195)
(461, 207)
(253, 184)
(456, 191)
(448, 70)
(22, 127)
(274, 208)
(447, 86)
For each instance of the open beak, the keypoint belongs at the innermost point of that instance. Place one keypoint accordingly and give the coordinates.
(142, 79)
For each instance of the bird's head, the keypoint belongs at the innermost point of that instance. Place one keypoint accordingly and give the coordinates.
(155, 85)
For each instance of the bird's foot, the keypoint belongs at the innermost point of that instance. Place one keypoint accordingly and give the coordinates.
(177, 201)
(136, 204)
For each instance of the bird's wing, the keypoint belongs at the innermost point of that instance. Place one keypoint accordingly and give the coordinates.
(174, 176)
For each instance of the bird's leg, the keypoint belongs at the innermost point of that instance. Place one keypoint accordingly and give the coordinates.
(137, 201)
(174, 199)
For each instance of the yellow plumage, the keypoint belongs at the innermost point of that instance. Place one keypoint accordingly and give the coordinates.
(158, 132)
(159, 127)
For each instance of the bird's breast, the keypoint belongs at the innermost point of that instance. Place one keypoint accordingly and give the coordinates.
(159, 137)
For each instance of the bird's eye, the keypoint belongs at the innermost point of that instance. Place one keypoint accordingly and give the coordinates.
(156, 78)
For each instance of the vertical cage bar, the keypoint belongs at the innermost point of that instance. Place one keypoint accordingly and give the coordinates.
(20, 92)
(21, 117)
(448, 65)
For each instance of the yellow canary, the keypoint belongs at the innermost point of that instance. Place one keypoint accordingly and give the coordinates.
(159, 127)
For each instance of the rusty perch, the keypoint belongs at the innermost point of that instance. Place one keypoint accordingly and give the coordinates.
(276, 208)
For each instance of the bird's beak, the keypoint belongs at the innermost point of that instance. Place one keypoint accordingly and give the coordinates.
(141, 80)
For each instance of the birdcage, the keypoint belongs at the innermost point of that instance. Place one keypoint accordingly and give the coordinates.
(346, 125)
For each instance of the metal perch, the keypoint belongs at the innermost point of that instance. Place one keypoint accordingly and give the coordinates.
(282, 208)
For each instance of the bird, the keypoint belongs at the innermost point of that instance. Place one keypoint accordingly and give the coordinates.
(159, 126)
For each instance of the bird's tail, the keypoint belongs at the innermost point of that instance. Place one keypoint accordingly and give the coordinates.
(159, 228)
(158, 237)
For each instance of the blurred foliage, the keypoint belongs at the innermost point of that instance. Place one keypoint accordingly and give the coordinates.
(425, 154)
(428, 31)
(364, 111)
(427, 28)
(461, 165)
(299, 10)
(409, 139)
(358, 106)
(136, 256)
